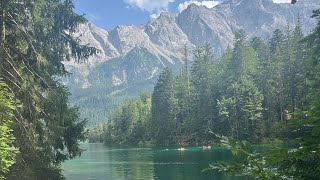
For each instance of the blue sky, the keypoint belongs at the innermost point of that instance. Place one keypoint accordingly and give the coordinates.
(110, 13)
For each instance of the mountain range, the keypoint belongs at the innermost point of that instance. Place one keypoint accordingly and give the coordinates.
(131, 57)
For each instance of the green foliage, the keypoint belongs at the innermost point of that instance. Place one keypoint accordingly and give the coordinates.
(256, 92)
(127, 125)
(65, 129)
(248, 161)
(242, 101)
(244, 111)
(202, 104)
(36, 37)
(297, 158)
(164, 109)
(7, 150)
(243, 94)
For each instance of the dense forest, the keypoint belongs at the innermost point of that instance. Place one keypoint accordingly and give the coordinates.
(243, 94)
(258, 92)
(38, 128)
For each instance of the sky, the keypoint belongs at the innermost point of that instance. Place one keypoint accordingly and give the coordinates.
(110, 13)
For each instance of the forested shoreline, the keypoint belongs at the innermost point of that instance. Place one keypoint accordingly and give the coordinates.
(256, 93)
(244, 94)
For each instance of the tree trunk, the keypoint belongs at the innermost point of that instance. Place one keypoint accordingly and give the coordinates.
(2, 38)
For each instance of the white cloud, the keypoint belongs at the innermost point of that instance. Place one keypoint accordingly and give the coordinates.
(152, 6)
(282, 1)
(154, 16)
(92, 16)
(208, 4)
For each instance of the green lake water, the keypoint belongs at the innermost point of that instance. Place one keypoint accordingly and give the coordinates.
(100, 162)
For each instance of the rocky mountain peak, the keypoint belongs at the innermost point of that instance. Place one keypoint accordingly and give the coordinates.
(167, 16)
(193, 11)
(166, 35)
(124, 38)
(131, 57)
(165, 32)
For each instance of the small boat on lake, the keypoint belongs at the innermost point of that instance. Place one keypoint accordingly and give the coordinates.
(206, 147)
(181, 149)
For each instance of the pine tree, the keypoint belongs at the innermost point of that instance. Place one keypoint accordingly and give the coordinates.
(183, 106)
(164, 109)
(35, 38)
(219, 76)
(202, 105)
(242, 103)
(308, 128)
(275, 76)
(298, 85)
(7, 150)
(299, 160)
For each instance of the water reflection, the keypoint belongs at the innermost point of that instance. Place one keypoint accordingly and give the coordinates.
(134, 163)
(100, 162)
(187, 165)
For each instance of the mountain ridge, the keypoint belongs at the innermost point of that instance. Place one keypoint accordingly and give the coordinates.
(137, 53)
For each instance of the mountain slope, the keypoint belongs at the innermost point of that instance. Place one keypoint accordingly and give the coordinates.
(131, 57)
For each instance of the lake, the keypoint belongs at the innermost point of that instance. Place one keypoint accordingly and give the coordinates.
(100, 162)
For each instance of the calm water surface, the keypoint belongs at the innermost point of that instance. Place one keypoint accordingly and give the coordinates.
(100, 162)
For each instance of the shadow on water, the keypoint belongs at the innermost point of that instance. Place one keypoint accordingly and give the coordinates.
(100, 162)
